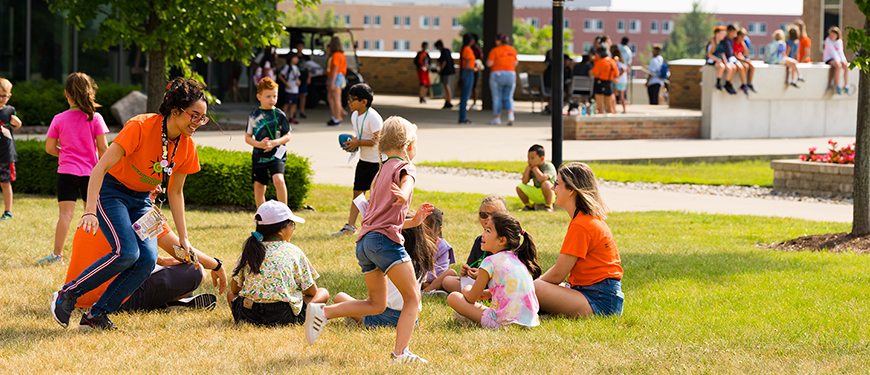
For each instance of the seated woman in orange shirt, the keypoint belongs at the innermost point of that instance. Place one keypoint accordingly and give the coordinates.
(589, 257)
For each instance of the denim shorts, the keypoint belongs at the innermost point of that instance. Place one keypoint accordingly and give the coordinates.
(605, 297)
(377, 251)
(388, 318)
(339, 81)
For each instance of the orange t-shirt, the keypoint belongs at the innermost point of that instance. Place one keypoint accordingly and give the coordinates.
(338, 61)
(86, 250)
(466, 58)
(139, 169)
(590, 240)
(803, 44)
(605, 69)
(503, 57)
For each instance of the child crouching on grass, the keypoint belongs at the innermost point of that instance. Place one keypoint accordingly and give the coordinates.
(273, 281)
(509, 273)
(419, 247)
(468, 272)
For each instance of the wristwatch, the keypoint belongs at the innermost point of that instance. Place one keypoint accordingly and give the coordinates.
(220, 264)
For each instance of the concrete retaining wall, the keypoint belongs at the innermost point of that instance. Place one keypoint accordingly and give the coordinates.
(812, 179)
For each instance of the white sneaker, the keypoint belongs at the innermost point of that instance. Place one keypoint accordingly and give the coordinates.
(407, 357)
(461, 319)
(436, 292)
(495, 121)
(315, 320)
(511, 119)
(346, 230)
(474, 107)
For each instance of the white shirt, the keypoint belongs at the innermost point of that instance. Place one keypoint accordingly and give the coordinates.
(626, 54)
(364, 126)
(394, 298)
(291, 75)
(834, 51)
(623, 78)
(655, 67)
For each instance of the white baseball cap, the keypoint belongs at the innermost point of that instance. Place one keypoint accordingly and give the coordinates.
(274, 212)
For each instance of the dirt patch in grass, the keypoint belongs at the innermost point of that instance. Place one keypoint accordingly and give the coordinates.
(831, 242)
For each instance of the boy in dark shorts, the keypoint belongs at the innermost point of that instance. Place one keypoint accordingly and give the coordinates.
(367, 124)
(268, 131)
(8, 155)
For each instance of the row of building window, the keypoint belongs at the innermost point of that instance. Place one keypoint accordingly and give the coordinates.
(425, 22)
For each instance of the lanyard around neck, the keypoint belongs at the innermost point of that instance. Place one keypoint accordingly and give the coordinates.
(268, 129)
(166, 163)
(360, 126)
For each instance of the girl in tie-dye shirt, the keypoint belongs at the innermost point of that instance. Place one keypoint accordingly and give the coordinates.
(509, 274)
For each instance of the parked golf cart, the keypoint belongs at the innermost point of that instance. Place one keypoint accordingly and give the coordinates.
(315, 40)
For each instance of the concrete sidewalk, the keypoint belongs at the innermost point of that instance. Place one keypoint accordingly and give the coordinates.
(440, 138)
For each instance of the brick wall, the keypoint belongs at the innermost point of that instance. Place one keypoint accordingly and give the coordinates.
(812, 179)
(685, 89)
(851, 16)
(600, 127)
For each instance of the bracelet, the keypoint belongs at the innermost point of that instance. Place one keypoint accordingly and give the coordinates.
(89, 213)
(220, 264)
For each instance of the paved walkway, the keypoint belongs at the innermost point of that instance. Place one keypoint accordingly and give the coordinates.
(441, 138)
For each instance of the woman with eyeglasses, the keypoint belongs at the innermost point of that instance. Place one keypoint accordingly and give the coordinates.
(153, 151)
(589, 258)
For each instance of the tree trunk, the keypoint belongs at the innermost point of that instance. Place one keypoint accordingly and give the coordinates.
(156, 79)
(861, 177)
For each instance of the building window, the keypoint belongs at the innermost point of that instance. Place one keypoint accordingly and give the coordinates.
(567, 24)
(347, 20)
(761, 50)
(397, 22)
(407, 22)
(407, 45)
(620, 26)
(634, 26)
(757, 28)
(401, 45)
(379, 44)
(569, 47)
(667, 27)
(533, 21)
(587, 47)
(592, 25)
(653, 27)
(346, 45)
(456, 24)
(633, 48)
(396, 44)
(367, 20)
(784, 27)
(424, 22)
(436, 22)
(367, 44)
(378, 21)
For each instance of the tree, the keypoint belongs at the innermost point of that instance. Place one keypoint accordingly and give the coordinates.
(174, 32)
(527, 39)
(859, 41)
(690, 35)
(313, 18)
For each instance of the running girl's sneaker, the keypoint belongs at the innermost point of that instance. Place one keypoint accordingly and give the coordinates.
(6, 216)
(346, 230)
(407, 357)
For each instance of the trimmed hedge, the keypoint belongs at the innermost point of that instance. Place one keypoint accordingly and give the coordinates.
(225, 177)
(38, 102)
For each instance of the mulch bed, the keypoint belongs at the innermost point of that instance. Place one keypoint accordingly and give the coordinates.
(830, 242)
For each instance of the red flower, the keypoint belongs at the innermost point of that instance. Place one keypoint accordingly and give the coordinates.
(813, 149)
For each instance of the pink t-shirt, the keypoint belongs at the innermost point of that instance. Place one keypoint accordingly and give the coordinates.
(381, 216)
(76, 139)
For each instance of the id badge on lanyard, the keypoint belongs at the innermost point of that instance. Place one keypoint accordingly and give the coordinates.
(150, 225)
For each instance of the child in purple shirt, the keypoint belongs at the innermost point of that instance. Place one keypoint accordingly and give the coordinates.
(443, 257)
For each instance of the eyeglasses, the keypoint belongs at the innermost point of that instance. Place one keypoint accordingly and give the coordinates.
(196, 119)
(352, 98)
(293, 224)
(483, 215)
(7, 96)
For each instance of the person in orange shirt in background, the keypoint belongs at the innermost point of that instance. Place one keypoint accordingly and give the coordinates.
(502, 63)
(605, 72)
(466, 78)
(336, 80)
(804, 43)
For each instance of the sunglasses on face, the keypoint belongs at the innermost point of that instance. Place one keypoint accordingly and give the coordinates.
(483, 215)
(197, 119)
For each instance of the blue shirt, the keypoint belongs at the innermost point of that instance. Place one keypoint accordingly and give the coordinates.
(655, 68)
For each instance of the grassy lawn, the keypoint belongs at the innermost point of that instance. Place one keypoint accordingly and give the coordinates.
(701, 297)
(747, 173)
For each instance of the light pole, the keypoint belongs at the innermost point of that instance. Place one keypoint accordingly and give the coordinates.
(558, 75)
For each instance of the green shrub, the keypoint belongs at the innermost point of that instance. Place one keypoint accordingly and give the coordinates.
(38, 102)
(225, 177)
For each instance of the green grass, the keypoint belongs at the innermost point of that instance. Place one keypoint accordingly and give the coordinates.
(701, 297)
(746, 173)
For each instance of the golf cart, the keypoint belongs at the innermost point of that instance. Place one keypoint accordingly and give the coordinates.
(315, 40)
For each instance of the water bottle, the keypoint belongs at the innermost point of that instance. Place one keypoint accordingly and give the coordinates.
(583, 110)
(591, 107)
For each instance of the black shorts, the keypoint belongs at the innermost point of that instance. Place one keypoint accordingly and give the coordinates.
(264, 175)
(476, 79)
(603, 87)
(364, 175)
(7, 172)
(267, 314)
(292, 99)
(163, 286)
(70, 187)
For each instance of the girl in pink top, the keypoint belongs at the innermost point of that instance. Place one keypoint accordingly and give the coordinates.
(380, 246)
(78, 138)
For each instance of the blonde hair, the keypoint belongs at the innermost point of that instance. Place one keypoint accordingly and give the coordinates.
(494, 201)
(82, 90)
(778, 35)
(835, 30)
(5, 85)
(396, 135)
(578, 177)
(802, 27)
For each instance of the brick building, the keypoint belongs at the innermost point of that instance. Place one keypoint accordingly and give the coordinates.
(819, 15)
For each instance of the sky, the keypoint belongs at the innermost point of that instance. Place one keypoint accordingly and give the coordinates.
(780, 7)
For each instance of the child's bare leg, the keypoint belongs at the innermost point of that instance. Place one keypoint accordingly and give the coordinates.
(473, 311)
(7, 195)
(522, 196)
(750, 70)
(451, 284)
(259, 194)
(343, 297)
(547, 189)
(292, 112)
(322, 296)
(403, 278)
(280, 188)
(354, 210)
(720, 69)
(439, 281)
(845, 68)
(729, 72)
(376, 284)
(65, 215)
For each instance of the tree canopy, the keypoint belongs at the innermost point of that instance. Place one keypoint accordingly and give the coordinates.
(527, 39)
(690, 35)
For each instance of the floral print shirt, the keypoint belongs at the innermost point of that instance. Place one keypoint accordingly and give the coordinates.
(513, 290)
(284, 274)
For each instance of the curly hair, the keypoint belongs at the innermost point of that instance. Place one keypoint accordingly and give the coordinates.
(181, 94)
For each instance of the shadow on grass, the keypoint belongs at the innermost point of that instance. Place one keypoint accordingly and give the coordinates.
(290, 363)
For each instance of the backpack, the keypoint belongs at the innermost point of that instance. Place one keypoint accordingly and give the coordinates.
(664, 72)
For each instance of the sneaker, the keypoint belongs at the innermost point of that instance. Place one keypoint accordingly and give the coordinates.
(51, 258)
(351, 321)
(422, 100)
(548, 208)
(447, 106)
(96, 322)
(407, 357)
(436, 293)
(474, 107)
(293, 121)
(752, 88)
(839, 92)
(461, 319)
(346, 230)
(847, 90)
(744, 89)
(466, 122)
(197, 302)
(719, 86)
(314, 322)
(528, 208)
(511, 119)
(302, 115)
(730, 89)
(794, 84)
(801, 79)
(332, 122)
(495, 121)
(8, 215)
(62, 305)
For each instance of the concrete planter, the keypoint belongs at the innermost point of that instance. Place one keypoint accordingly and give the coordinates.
(812, 179)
